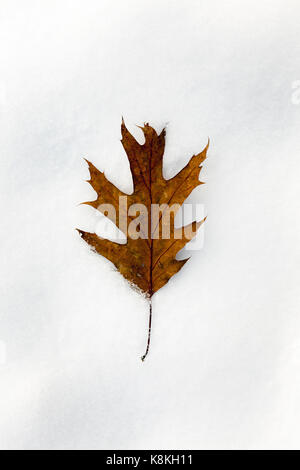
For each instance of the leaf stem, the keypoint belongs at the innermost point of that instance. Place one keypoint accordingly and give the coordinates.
(149, 330)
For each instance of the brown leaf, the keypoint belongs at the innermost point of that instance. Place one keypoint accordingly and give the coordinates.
(147, 262)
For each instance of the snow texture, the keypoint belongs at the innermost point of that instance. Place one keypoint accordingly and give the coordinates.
(224, 366)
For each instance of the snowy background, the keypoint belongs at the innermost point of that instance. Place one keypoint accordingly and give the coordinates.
(224, 366)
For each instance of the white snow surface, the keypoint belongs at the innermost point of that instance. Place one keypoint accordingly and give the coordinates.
(224, 365)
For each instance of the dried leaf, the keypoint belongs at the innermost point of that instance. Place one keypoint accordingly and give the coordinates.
(147, 262)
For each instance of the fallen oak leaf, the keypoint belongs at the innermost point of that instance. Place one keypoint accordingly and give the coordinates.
(148, 258)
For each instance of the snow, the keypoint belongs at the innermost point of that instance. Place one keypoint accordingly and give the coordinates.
(223, 369)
